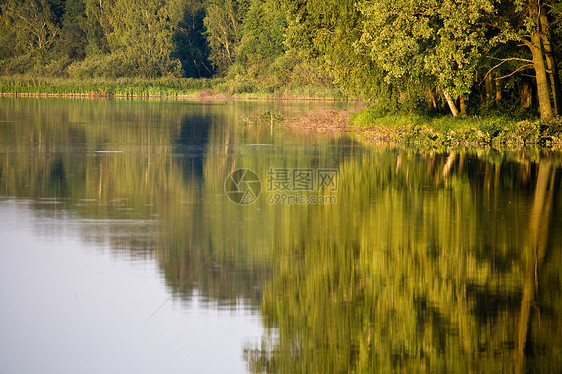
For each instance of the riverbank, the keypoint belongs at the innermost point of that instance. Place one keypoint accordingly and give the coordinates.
(447, 130)
(367, 126)
(179, 88)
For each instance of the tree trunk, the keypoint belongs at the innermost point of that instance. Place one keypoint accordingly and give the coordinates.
(498, 91)
(551, 63)
(488, 86)
(462, 106)
(451, 103)
(526, 95)
(433, 100)
(545, 108)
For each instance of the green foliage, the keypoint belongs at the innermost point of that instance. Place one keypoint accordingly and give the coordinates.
(222, 24)
(110, 66)
(34, 25)
(128, 87)
(261, 53)
(325, 32)
(73, 38)
(142, 36)
(263, 62)
(442, 41)
(498, 130)
(262, 29)
(190, 45)
(400, 55)
(96, 27)
(72, 42)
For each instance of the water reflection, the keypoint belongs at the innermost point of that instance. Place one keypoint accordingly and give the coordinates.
(429, 261)
(192, 144)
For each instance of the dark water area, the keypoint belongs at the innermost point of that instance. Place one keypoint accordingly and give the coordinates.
(175, 236)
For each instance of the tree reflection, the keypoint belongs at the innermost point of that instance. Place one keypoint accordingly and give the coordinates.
(431, 260)
(420, 270)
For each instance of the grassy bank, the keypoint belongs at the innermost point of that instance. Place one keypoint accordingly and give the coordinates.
(95, 87)
(163, 87)
(369, 125)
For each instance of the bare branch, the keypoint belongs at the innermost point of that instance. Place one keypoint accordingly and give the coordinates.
(503, 61)
(527, 43)
(524, 67)
(509, 59)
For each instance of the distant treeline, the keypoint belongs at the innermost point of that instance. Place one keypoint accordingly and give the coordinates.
(462, 56)
(111, 39)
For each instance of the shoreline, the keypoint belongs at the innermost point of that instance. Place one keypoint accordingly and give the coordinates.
(437, 132)
(386, 129)
(196, 96)
(162, 88)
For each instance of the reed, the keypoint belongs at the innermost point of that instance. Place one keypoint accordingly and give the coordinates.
(162, 87)
(171, 87)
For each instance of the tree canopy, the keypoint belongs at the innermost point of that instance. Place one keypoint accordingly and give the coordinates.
(438, 55)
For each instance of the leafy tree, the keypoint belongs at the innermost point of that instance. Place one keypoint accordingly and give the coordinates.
(73, 38)
(392, 53)
(223, 30)
(438, 40)
(535, 36)
(190, 45)
(325, 32)
(143, 34)
(32, 29)
(262, 33)
(527, 26)
(97, 26)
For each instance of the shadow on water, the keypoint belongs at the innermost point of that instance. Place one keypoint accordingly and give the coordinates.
(192, 144)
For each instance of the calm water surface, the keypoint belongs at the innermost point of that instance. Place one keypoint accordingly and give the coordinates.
(162, 236)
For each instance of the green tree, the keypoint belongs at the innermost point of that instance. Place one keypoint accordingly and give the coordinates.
(142, 34)
(73, 39)
(530, 24)
(442, 41)
(32, 28)
(534, 37)
(325, 32)
(223, 30)
(132, 41)
(97, 26)
(261, 44)
(190, 45)
(262, 33)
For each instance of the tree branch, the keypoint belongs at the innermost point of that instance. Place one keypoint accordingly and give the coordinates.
(503, 61)
(524, 67)
(509, 59)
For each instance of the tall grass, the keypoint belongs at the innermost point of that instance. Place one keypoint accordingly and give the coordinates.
(167, 87)
(98, 87)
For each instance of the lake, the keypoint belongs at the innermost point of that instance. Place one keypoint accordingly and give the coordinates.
(175, 236)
